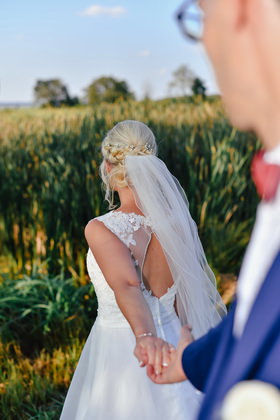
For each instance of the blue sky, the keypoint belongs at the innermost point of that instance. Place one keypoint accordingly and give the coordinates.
(81, 40)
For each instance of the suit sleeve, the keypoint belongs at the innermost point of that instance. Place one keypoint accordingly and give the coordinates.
(198, 357)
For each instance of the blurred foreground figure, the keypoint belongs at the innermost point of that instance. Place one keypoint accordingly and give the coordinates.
(242, 39)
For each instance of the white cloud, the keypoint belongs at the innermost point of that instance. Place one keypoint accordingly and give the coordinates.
(97, 10)
(144, 53)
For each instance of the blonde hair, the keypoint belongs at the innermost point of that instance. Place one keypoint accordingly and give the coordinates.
(128, 137)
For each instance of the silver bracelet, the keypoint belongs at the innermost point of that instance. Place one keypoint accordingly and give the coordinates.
(148, 334)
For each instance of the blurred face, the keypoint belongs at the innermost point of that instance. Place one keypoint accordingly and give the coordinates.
(230, 43)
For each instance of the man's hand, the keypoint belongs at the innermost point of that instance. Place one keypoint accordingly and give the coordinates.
(174, 371)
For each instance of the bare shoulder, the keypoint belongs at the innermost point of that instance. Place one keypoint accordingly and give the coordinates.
(93, 227)
(97, 231)
(98, 235)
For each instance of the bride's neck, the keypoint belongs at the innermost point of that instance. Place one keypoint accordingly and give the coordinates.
(127, 200)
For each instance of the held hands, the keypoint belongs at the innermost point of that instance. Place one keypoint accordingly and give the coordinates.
(163, 361)
(153, 351)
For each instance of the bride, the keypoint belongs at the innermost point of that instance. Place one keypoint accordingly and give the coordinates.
(150, 275)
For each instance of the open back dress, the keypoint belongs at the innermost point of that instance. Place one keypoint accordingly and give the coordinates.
(108, 383)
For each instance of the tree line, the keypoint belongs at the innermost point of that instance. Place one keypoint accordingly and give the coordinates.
(53, 92)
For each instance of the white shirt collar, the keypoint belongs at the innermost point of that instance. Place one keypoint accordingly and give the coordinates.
(273, 155)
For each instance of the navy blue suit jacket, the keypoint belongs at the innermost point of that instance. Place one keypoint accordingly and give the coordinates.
(217, 361)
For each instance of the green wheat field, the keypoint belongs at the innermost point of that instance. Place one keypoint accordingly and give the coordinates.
(50, 188)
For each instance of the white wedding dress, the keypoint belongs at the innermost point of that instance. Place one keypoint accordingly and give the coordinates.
(108, 383)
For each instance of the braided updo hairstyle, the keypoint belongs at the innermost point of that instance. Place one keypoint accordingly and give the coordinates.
(125, 138)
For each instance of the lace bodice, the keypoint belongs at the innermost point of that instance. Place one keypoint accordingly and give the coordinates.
(134, 231)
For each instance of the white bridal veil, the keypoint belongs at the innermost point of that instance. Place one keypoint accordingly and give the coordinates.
(161, 198)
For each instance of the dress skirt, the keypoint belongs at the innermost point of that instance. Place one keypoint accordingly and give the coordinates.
(108, 383)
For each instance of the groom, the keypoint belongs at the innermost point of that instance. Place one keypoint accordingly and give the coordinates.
(242, 38)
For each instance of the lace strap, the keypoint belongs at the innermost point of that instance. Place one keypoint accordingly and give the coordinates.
(124, 225)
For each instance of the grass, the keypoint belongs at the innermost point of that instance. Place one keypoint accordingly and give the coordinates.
(35, 388)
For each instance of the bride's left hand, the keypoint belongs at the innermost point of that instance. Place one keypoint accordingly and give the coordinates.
(174, 371)
(153, 351)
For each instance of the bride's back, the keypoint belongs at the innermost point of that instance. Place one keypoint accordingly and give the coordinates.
(136, 232)
(146, 249)
(155, 273)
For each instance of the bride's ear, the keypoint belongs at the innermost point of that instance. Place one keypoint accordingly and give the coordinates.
(108, 166)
